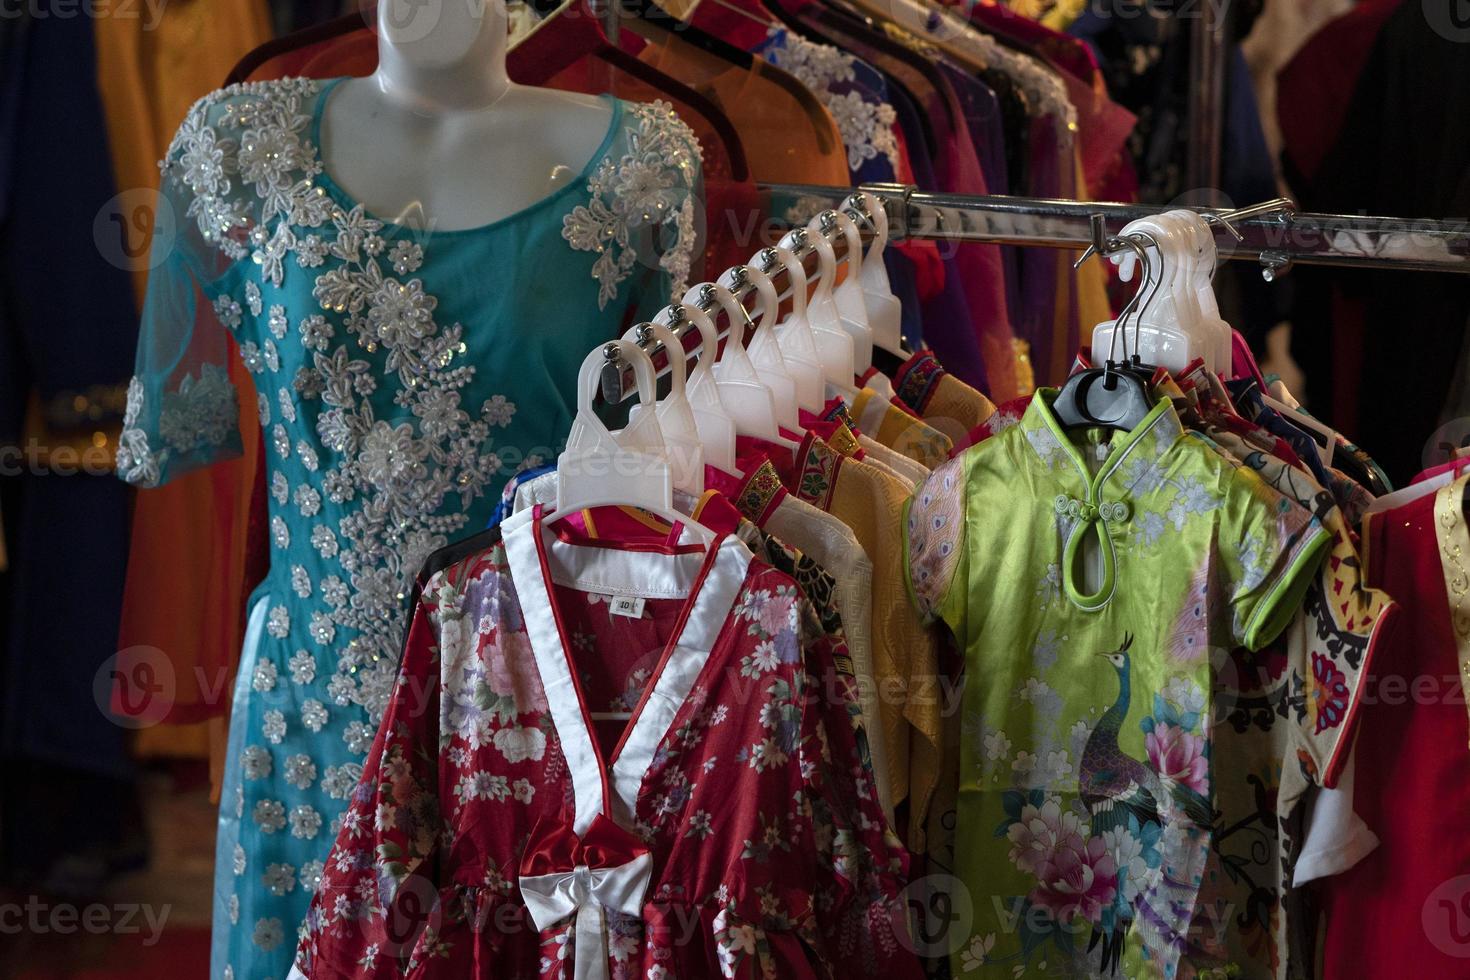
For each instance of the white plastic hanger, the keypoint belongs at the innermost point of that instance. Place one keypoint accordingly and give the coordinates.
(745, 396)
(629, 469)
(1167, 331)
(798, 343)
(834, 344)
(849, 294)
(885, 312)
(764, 351)
(1205, 258)
(715, 423)
(1414, 491)
(684, 450)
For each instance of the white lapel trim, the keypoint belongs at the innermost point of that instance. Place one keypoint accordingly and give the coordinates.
(691, 652)
(556, 676)
(658, 575)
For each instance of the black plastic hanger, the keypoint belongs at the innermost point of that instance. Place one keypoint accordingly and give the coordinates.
(1114, 396)
(651, 13)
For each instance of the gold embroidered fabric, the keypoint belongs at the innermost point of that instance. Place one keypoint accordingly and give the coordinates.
(1454, 554)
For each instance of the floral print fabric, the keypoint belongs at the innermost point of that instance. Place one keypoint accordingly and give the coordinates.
(1286, 711)
(769, 858)
(1090, 583)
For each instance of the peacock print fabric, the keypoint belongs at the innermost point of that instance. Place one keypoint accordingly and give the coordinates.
(1090, 578)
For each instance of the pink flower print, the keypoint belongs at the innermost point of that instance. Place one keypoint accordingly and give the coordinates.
(1078, 879)
(777, 616)
(1178, 756)
(1040, 833)
(510, 670)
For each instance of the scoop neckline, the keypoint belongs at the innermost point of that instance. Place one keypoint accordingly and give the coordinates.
(338, 193)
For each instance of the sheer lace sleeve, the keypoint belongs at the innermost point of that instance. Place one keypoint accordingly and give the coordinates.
(181, 408)
(646, 205)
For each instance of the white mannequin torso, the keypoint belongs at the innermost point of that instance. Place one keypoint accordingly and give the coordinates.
(439, 137)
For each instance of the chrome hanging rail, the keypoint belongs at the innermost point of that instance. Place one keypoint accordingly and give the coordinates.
(1272, 234)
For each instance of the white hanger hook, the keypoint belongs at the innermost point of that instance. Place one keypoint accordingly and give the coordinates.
(589, 378)
(647, 333)
(705, 296)
(871, 207)
(737, 277)
(709, 337)
(767, 259)
(850, 231)
(801, 239)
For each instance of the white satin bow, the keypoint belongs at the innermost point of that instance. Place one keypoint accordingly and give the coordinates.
(585, 892)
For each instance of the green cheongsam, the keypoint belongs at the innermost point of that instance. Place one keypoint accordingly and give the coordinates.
(1089, 577)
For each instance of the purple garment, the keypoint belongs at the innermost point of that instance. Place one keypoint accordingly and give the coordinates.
(959, 350)
(983, 116)
(957, 167)
(963, 344)
(871, 87)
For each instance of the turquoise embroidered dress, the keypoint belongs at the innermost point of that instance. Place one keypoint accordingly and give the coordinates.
(1091, 578)
(402, 375)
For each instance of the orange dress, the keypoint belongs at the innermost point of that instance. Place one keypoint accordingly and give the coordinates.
(154, 70)
(789, 135)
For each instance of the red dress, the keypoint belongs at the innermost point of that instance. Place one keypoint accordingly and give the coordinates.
(506, 827)
(1404, 910)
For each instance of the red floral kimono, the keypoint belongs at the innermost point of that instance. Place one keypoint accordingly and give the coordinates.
(612, 760)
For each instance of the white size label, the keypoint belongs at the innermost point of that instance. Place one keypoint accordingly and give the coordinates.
(627, 606)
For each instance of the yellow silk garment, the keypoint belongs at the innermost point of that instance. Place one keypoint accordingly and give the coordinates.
(900, 431)
(941, 399)
(905, 654)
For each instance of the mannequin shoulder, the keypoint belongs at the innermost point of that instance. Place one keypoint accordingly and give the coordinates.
(239, 152)
(287, 102)
(579, 124)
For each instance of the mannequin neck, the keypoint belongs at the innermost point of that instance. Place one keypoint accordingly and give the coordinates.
(454, 88)
(453, 61)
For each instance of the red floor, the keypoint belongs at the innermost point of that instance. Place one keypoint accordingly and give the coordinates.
(123, 944)
(181, 952)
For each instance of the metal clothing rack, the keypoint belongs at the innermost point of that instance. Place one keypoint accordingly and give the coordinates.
(1209, 52)
(1272, 234)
